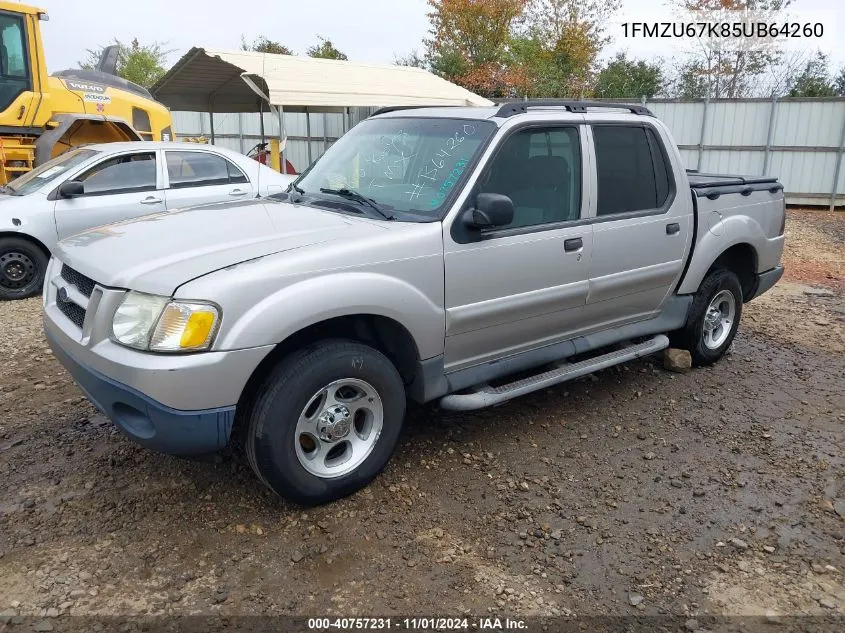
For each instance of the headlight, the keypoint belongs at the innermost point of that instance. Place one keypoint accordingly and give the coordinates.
(159, 324)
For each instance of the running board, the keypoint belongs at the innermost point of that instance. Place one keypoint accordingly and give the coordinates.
(486, 396)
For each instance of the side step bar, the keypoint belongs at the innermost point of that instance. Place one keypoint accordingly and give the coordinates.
(486, 396)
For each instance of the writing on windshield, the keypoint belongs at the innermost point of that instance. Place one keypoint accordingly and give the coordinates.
(433, 170)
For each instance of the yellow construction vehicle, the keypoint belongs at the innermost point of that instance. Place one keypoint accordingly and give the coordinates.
(43, 115)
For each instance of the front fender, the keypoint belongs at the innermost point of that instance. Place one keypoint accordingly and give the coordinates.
(317, 299)
(34, 221)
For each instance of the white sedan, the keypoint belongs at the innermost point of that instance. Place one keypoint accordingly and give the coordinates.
(99, 184)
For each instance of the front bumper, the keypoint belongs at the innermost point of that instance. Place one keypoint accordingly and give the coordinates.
(766, 281)
(146, 421)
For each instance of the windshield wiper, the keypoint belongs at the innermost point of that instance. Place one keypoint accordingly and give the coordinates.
(349, 194)
(296, 188)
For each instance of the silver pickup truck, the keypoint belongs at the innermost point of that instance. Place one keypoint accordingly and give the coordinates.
(430, 255)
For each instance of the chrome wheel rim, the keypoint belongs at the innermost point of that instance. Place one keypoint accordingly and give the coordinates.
(339, 428)
(719, 319)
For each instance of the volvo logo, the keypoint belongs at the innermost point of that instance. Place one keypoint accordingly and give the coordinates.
(62, 295)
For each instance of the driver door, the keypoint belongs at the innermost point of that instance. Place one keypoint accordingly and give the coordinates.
(117, 188)
(522, 286)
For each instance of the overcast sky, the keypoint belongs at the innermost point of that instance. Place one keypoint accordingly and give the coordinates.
(366, 30)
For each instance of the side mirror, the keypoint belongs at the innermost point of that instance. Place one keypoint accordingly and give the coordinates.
(71, 189)
(491, 209)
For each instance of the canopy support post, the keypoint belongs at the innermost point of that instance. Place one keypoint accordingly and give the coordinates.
(261, 120)
(308, 132)
(325, 132)
(283, 136)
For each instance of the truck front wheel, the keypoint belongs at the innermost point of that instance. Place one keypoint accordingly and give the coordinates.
(326, 421)
(713, 319)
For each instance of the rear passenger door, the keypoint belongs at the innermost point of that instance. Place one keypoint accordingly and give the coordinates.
(199, 177)
(642, 227)
(517, 287)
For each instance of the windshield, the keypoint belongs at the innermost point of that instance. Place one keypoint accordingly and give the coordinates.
(50, 170)
(407, 166)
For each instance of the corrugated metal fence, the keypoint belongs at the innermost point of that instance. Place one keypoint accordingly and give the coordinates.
(801, 141)
(308, 136)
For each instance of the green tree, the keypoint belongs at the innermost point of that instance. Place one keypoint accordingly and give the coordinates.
(839, 82)
(413, 59)
(629, 79)
(571, 34)
(814, 80)
(141, 64)
(325, 50)
(468, 43)
(691, 82)
(263, 45)
(731, 68)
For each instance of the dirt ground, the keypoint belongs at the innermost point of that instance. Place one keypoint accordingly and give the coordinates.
(635, 491)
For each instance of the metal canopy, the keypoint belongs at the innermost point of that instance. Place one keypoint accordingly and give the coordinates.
(206, 80)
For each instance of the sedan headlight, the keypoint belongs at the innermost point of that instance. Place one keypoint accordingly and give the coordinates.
(161, 324)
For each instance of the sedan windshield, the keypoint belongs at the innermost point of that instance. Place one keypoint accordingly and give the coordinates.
(406, 167)
(52, 169)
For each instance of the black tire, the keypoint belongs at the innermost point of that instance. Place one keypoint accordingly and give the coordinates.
(290, 388)
(22, 268)
(692, 336)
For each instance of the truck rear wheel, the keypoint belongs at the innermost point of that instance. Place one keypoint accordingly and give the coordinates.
(326, 421)
(714, 318)
(22, 268)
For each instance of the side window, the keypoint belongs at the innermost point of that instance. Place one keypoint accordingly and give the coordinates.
(12, 57)
(540, 170)
(141, 123)
(201, 169)
(632, 171)
(122, 174)
(236, 176)
(14, 70)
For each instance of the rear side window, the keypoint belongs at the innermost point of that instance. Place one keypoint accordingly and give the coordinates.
(201, 169)
(123, 174)
(632, 171)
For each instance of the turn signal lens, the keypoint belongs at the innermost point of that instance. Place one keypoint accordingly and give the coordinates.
(184, 327)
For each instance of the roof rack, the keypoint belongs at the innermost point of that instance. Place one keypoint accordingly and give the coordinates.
(521, 107)
(406, 107)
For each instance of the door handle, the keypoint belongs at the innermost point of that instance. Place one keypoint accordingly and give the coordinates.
(575, 244)
(673, 229)
(237, 192)
(150, 200)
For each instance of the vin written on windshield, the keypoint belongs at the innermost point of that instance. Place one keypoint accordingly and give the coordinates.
(408, 165)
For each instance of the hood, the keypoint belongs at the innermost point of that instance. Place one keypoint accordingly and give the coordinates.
(158, 253)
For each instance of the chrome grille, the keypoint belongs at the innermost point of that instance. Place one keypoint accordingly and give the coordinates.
(84, 284)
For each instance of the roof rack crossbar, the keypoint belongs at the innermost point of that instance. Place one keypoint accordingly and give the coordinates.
(521, 107)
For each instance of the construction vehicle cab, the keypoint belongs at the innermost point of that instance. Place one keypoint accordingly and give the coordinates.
(41, 116)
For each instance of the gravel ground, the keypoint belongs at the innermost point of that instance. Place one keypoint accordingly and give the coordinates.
(634, 491)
